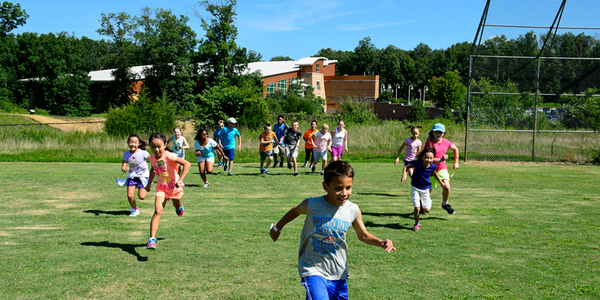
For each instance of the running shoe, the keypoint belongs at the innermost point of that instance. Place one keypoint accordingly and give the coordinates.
(179, 211)
(151, 244)
(262, 170)
(229, 174)
(304, 165)
(275, 164)
(265, 171)
(220, 164)
(295, 173)
(225, 167)
(281, 164)
(313, 168)
(417, 227)
(289, 165)
(134, 212)
(206, 184)
(448, 208)
(323, 172)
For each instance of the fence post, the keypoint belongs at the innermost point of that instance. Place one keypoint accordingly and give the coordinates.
(468, 110)
(537, 92)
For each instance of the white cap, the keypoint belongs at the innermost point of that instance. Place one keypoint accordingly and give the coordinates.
(231, 120)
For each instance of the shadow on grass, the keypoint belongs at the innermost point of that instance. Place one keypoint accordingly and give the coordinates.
(389, 225)
(129, 248)
(97, 212)
(378, 194)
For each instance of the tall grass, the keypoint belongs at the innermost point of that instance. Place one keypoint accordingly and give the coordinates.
(376, 141)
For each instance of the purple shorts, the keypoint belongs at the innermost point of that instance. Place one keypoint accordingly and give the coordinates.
(337, 150)
(135, 182)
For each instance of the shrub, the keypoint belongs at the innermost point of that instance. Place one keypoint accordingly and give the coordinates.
(143, 116)
(418, 112)
(357, 110)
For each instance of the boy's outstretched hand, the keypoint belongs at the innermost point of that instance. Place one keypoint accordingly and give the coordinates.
(274, 234)
(387, 244)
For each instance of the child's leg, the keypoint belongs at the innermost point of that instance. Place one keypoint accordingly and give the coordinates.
(142, 193)
(262, 162)
(159, 204)
(445, 191)
(208, 167)
(416, 214)
(177, 203)
(201, 168)
(230, 165)
(295, 161)
(131, 196)
(323, 164)
(269, 161)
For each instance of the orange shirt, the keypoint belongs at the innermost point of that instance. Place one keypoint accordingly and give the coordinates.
(266, 137)
(307, 135)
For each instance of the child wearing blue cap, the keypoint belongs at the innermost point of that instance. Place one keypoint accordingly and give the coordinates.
(436, 140)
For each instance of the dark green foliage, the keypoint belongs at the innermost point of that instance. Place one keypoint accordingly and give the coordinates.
(11, 17)
(357, 110)
(282, 58)
(583, 112)
(142, 116)
(418, 112)
(447, 90)
(254, 56)
(297, 99)
(386, 96)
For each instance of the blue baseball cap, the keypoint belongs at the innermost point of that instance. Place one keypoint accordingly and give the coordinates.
(439, 127)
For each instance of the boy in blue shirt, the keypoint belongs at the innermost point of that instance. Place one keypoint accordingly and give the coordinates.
(279, 147)
(323, 248)
(227, 137)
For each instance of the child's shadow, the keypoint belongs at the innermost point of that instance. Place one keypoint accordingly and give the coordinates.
(396, 225)
(377, 194)
(97, 212)
(129, 248)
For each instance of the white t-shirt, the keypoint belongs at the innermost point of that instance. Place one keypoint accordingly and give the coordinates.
(321, 141)
(338, 137)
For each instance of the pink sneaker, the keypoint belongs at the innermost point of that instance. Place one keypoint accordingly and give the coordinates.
(179, 211)
(417, 227)
(151, 244)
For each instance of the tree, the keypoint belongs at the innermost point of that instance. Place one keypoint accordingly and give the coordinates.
(344, 63)
(298, 99)
(364, 57)
(121, 28)
(220, 55)
(11, 17)
(281, 58)
(168, 41)
(254, 56)
(447, 91)
(417, 111)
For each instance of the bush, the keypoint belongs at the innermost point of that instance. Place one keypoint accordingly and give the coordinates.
(143, 116)
(418, 112)
(357, 110)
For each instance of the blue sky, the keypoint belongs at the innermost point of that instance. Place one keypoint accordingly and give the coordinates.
(301, 28)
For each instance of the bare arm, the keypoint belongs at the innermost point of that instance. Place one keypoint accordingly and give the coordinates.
(150, 179)
(124, 167)
(186, 168)
(292, 214)
(346, 140)
(185, 144)
(240, 141)
(367, 238)
(399, 153)
(456, 158)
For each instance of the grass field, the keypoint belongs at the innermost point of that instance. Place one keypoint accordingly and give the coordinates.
(521, 231)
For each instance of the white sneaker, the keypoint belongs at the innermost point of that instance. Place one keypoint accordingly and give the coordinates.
(206, 184)
(134, 212)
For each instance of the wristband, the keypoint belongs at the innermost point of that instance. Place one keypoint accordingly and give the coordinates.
(274, 227)
(442, 159)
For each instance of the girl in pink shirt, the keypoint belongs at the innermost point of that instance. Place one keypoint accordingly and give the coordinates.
(169, 186)
(441, 145)
(413, 147)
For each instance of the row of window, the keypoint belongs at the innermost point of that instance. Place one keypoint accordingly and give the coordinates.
(282, 85)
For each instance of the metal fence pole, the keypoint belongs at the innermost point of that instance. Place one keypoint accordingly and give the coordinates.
(468, 109)
(537, 91)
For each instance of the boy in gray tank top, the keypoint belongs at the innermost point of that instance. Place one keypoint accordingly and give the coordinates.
(323, 248)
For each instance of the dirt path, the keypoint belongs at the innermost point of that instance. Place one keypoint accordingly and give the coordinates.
(66, 125)
(95, 125)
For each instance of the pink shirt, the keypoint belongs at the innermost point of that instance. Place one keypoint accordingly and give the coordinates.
(411, 149)
(165, 169)
(440, 150)
(321, 141)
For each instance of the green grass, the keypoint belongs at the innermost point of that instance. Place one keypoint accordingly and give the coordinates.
(521, 231)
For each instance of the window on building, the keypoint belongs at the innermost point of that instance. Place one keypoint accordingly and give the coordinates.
(318, 67)
(282, 86)
(271, 88)
(318, 86)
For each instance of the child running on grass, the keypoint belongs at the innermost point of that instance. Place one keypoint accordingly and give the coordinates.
(205, 154)
(308, 145)
(441, 145)
(413, 146)
(323, 248)
(322, 141)
(266, 141)
(279, 148)
(216, 137)
(227, 141)
(138, 175)
(421, 183)
(179, 145)
(169, 186)
(291, 139)
(339, 141)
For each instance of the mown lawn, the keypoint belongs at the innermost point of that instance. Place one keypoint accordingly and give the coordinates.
(521, 231)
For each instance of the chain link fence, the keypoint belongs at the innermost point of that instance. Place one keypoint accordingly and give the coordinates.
(544, 109)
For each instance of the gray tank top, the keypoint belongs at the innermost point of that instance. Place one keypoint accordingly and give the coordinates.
(323, 246)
